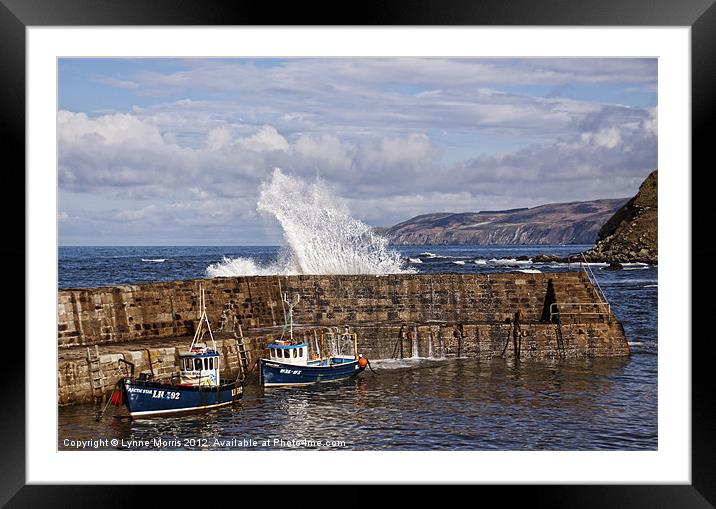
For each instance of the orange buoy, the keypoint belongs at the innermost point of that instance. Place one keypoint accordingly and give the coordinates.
(362, 362)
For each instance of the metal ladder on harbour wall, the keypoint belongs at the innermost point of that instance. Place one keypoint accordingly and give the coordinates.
(560, 338)
(241, 353)
(97, 376)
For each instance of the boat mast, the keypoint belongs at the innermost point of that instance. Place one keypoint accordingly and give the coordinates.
(202, 318)
(291, 304)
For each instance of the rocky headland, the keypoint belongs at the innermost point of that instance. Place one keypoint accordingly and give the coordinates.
(631, 235)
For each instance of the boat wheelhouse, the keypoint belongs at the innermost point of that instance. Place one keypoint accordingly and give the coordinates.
(330, 356)
(199, 386)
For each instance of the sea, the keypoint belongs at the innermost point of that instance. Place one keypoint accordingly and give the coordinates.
(408, 404)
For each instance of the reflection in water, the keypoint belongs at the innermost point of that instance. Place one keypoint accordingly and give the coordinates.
(423, 404)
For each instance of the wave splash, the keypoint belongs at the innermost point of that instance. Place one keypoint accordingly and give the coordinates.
(321, 236)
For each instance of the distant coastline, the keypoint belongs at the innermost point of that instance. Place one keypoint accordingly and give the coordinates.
(550, 224)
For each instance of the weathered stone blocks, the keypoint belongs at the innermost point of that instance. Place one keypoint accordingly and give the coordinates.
(450, 315)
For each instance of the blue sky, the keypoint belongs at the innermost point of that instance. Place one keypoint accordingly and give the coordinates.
(173, 151)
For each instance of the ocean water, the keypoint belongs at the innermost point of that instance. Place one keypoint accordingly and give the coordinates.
(85, 266)
(411, 404)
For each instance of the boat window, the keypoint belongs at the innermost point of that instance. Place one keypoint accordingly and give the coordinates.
(197, 364)
(273, 352)
(300, 352)
(286, 354)
(295, 352)
(211, 363)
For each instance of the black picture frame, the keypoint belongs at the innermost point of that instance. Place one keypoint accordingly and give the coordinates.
(700, 15)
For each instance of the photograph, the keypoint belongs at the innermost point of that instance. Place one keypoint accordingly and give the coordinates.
(357, 253)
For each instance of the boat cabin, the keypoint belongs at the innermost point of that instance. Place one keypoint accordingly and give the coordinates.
(330, 348)
(199, 367)
(289, 354)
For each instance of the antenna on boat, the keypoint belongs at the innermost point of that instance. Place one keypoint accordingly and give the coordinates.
(202, 318)
(291, 303)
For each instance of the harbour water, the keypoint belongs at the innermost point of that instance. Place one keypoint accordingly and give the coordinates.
(411, 404)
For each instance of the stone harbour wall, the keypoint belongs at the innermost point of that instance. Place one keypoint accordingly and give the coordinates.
(441, 315)
(486, 341)
(103, 315)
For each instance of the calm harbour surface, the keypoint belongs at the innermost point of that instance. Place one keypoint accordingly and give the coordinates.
(411, 404)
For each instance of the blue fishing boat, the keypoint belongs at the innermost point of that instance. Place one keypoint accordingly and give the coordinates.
(197, 388)
(331, 356)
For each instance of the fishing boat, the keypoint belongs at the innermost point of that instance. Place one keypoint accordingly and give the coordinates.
(328, 357)
(197, 388)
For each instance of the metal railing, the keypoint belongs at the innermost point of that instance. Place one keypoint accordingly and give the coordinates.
(592, 279)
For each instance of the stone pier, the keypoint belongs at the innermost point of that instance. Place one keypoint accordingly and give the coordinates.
(526, 316)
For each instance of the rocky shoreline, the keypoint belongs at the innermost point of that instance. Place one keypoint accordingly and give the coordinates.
(614, 264)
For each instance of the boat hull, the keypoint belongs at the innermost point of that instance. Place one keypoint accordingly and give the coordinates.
(153, 399)
(278, 374)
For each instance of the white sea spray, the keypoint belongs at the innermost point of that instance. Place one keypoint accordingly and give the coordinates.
(320, 235)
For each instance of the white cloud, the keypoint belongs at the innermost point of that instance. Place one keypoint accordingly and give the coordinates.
(117, 83)
(109, 129)
(651, 124)
(264, 140)
(378, 130)
(217, 137)
(608, 137)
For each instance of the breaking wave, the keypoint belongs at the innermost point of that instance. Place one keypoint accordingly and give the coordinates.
(509, 261)
(320, 235)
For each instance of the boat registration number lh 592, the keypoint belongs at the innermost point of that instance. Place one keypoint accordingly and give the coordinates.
(165, 394)
(291, 371)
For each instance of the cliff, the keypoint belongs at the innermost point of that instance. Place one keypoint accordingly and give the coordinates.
(555, 223)
(631, 235)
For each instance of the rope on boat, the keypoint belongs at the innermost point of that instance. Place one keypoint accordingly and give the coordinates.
(371, 367)
(110, 400)
(100, 414)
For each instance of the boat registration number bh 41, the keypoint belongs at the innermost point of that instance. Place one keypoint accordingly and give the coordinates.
(291, 371)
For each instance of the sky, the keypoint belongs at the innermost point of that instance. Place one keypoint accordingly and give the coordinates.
(173, 151)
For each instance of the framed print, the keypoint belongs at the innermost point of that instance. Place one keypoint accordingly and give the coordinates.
(415, 245)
